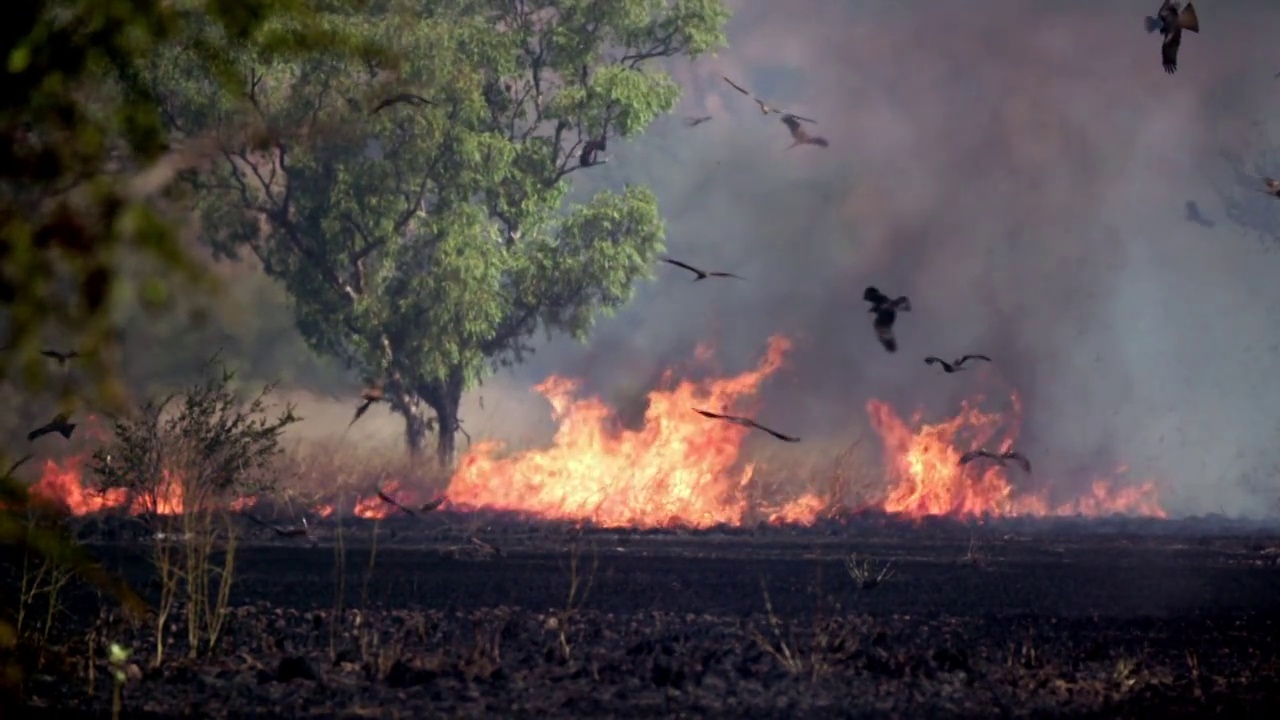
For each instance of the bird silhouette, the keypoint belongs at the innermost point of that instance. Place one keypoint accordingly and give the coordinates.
(696, 121)
(423, 508)
(401, 98)
(295, 531)
(369, 395)
(1171, 19)
(1000, 458)
(765, 108)
(799, 136)
(955, 365)
(57, 425)
(747, 423)
(1272, 185)
(701, 274)
(590, 150)
(61, 357)
(886, 314)
(1194, 215)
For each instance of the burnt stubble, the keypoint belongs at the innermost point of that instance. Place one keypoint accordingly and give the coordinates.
(1068, 618)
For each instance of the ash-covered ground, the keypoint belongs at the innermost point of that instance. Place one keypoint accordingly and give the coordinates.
(486, 616)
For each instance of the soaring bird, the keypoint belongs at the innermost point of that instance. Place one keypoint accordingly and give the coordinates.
(369, 395)
(57, 425)
(1171, 19)
(886, 313)
(799, 136)
(592, 148)
(765, 108)
(701, 274)
(400, 98)
(1272, 185)
(61, 357)
(1000, 458)
(955, 365)
(1194, 215)
(423, 508)
(696, 121)
(747, 423)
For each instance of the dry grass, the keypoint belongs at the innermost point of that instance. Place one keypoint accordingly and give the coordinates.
(314, 471)
(317, 471)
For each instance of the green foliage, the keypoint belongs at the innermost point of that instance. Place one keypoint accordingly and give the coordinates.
(86, 161)
(214, 446)
(418, 215)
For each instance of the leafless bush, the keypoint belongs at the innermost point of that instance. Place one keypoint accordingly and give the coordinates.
(816, 652)
(580, 582)
(184, 468)
(44, 576)
(867, 573)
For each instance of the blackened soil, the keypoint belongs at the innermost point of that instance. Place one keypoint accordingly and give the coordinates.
(972, 623)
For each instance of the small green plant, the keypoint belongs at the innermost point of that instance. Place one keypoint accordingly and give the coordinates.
(118, 660)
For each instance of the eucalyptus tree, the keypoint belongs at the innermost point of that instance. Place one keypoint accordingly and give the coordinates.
(418, 213)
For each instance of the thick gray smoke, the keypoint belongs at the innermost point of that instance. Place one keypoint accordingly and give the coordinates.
(1020, 169)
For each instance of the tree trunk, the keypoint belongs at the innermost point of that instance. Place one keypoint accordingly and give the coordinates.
(444, 399)
(415, 431)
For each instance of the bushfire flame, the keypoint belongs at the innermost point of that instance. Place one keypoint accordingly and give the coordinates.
(683, 469)
(927, 478)
(678, 469)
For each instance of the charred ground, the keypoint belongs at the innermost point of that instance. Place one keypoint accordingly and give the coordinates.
(1064, 618)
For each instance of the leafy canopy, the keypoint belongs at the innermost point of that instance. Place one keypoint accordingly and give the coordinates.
(417, 214)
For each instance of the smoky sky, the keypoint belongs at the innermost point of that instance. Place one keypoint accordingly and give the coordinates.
(1020, 169)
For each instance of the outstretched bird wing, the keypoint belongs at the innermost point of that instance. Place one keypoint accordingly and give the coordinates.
(391, 501)
(736, 86)
(1019, 458)
(775, 433)
(360, 411)
(686, 266)
(709, 414)
(1188, 20)
(430, 505)
(974, 455)
(966, 358)
(398, 99)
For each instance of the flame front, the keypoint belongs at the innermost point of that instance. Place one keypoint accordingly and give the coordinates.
(678, 469)
(682, 469)
(926, 477)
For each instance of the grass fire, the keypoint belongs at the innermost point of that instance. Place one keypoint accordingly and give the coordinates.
(508, 360)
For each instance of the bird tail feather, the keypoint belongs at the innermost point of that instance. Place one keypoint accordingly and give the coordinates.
(1188, 19)
(66, 431)
(1152, 24)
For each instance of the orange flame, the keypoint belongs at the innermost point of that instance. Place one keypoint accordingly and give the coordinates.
(684, 469)
(927, 478)
(678, 469)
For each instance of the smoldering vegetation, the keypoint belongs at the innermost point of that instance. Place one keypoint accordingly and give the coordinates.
(1020, 172)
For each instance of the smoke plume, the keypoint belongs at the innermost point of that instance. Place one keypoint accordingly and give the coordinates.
(1019, 169)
